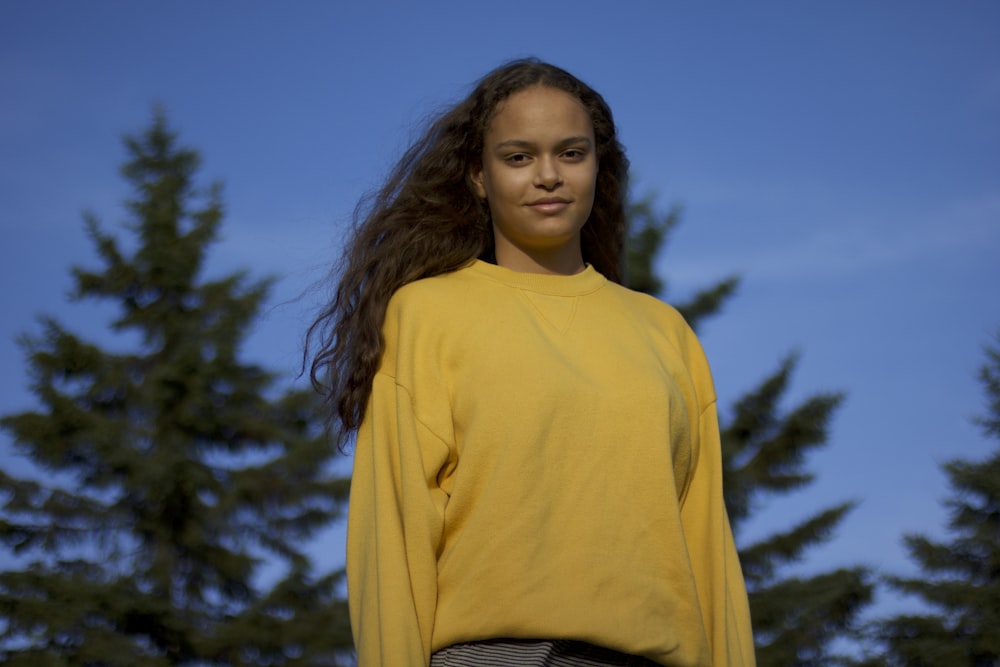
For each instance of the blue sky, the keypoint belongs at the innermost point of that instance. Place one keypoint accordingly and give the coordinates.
(844, 157)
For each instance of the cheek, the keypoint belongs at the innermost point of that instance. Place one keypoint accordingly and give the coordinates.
(592, 191)
(503, 187)
(590, 183)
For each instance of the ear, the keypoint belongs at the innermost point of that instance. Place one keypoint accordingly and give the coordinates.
(476, 178)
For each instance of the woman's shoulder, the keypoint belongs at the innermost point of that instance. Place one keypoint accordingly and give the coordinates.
(659, 312)
(665, 324)
(430, 304)
(439, 290)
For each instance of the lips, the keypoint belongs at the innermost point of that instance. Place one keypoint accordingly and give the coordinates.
(549, 204)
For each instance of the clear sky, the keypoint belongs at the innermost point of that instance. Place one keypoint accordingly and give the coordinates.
(843, 157)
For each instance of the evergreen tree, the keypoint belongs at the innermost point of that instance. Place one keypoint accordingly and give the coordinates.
(795, 619)
(174, 470)
(960, 581)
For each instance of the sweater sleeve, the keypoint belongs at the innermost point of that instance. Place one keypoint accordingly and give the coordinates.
(721, 590)
(394, 528)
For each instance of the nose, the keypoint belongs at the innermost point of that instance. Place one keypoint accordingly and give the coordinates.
(547, 174)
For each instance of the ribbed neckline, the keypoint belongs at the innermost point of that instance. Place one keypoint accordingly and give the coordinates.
(585, 282)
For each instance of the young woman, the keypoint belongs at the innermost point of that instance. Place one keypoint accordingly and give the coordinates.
(537, 470)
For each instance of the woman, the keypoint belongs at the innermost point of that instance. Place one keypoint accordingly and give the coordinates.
(537, 473)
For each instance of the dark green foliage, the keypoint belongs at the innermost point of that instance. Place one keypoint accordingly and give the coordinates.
(173, 470)
(960, 581)
(796, 619)
(989, 375)
(765, 448)
(648, 231)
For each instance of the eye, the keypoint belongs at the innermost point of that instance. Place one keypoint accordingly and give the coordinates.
(574, 154)
(516, 159)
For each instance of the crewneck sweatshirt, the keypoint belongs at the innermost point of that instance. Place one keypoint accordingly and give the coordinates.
(540, 459)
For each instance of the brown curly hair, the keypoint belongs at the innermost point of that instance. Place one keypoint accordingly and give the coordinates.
(427, 220)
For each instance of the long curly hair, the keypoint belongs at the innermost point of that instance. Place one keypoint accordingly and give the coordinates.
(426, 220)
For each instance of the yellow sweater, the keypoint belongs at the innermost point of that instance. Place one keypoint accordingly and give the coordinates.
(540, 458)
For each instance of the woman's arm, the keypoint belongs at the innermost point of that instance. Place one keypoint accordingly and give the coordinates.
(395, 522)
(721, 590)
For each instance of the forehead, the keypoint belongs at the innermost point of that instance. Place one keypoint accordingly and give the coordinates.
(540, 111)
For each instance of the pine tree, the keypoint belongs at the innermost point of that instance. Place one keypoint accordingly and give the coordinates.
(960, 581)
(796, 620)
(174, 471)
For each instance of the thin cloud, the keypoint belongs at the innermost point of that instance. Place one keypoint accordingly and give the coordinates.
(855, 247)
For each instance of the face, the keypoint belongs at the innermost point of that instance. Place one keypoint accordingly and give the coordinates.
(538, 176)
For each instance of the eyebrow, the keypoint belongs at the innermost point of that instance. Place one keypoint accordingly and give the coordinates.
(521, 143)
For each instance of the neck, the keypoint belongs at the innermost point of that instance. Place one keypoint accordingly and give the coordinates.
(564, 261)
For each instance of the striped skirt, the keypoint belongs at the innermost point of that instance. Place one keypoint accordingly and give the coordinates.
(534, 653)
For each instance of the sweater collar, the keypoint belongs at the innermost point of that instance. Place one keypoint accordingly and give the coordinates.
(585, 282)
